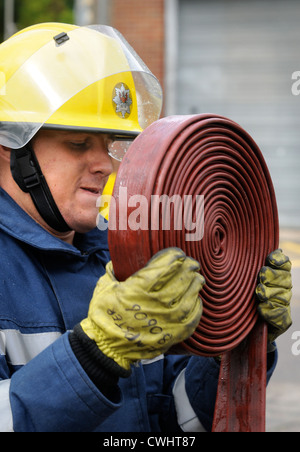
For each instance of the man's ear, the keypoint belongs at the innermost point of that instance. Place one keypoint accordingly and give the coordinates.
(5, 153)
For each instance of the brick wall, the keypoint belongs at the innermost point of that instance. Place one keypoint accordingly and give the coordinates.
(142, 24)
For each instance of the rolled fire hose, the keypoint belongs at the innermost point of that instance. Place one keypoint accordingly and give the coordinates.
(211, 159)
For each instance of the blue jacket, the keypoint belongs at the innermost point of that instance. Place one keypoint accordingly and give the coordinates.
(45, 289)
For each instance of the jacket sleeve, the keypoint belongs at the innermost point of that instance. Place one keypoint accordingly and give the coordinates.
(194, 392)
(6, 423)
(53, 393)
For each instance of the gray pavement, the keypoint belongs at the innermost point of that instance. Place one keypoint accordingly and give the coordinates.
(283, 393)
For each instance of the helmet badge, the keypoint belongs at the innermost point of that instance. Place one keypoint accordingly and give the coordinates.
(122, 100)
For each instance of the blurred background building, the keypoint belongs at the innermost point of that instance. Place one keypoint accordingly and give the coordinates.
(237, 58)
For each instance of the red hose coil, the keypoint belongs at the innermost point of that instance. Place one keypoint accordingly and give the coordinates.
(212, 156)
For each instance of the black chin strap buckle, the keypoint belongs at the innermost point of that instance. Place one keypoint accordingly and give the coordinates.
(30, 175)
(27, 173)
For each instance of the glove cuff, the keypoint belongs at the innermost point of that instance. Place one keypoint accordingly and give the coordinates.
(103, 371)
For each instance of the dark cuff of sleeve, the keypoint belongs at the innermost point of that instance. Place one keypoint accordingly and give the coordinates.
(103, 371)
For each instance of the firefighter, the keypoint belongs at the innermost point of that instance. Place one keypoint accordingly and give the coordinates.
(71, 99)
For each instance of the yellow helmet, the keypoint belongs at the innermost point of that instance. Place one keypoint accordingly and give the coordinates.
(64, 76)
(67, 77)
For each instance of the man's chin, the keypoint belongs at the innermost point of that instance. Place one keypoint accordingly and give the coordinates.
(83, 226)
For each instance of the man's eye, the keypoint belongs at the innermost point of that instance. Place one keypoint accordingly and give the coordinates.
(80, 145)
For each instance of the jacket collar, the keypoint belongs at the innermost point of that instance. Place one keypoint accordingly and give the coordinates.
(18, 224)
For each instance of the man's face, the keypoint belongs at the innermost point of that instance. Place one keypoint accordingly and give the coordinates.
(76, 166)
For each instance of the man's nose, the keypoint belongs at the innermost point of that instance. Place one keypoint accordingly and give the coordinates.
(100, 160)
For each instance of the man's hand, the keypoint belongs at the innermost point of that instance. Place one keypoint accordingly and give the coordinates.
(274, 293)
(154, 309)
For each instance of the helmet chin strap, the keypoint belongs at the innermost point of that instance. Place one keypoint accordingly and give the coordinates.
(28, 175)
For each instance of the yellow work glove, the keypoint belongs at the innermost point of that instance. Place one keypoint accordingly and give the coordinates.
(274, 293)
(154, 309)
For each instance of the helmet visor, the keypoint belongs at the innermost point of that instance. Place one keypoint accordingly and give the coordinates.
(62, 68)
(117, 147)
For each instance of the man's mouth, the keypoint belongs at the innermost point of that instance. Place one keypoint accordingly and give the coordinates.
(92, 190)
